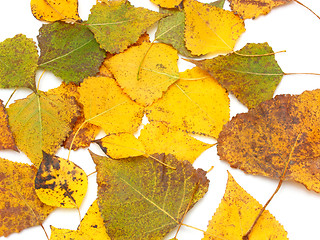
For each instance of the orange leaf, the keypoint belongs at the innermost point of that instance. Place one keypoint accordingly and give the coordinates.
(6, 138)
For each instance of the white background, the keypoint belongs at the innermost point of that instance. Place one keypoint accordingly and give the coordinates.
(291, 28)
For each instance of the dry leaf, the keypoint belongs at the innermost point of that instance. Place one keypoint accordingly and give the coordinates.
(6, 138)
(235, 216)
(280, 131)
(146, 71)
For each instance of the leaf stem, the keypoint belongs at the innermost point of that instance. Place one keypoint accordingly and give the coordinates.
(40, 79)
(45, 232)
(307, 8)
(10, 97)
(91, 173)
(317, 74)
(246, 236)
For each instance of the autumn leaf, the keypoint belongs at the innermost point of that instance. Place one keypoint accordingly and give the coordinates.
(210, 29)
(6, 138)
(18, 62)
(140, 198)
(235, 215)
(117, 25)
(42, 121)
(157, 137)
(54, 10)
(20, 207)
(146, 71)
(70, 51)
(167, 3)
(90, 228)
(252, 9)
(278, 132)
(209, 108)
(105, 105)
(60, 182)
(122, 145)
(251, 79)
(171, 29)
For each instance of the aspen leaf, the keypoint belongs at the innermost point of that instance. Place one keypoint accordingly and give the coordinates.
(86, 134)
(167, 3)
(118, 25)
(235, 216)
(159, 138)
(18, 62)
(140, 198)
(60, 182)
(122, 145)
(171, 29)
(210, 29)
(105, 105)
(209, 107)
(148, 71)
(90, 228)
(251, 79)
(70, 51)
(6, 138)
(20, 207)
(55, 10)
(252, 9)
(280, 131)
(42, 121)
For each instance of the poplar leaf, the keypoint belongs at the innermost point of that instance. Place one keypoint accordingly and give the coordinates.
(143, 189)
(117, 25)
(6, 138)
(167, 3)
(20, 207)
(280, 132)
(18, 62)
(60, 182)
(235, 216)
(70, 51)
(148, 71)
(251, 79)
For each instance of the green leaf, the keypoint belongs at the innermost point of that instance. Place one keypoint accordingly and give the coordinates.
(116, 26)
(70, 51)
(42, 121)
(171, 29)
(251, 78)
(140, 198)
(18, 62)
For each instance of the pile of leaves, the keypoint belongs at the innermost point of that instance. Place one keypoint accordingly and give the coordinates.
(113, 76)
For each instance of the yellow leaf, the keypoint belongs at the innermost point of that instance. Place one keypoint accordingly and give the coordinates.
(60, 182)
(54, 10)
(105, 105)
(90, 228)
(146, 71)
(6, 138)
(236, 214)
(210, 29)
(167, 3)
(197, 105)
(20, 207)
(158, 138)
(122, 145)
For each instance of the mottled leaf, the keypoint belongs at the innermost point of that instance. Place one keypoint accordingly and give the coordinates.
(280, 131)
(140, 198)
(117, 25)
(195, 104)
(210, 29)
(42, 121)
(54, 10)
(90, 228)
(105, 105)
(20, 207)
(159, 138)
(146, 71)
(60, 182)
(252, 9)
(6, 138)
(18, 62)
(122, 145)
(70, 51)
(251, 78)
(235, 216)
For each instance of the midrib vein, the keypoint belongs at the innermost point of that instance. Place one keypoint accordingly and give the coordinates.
(40, 121)
(67, 54)
(254, 73)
